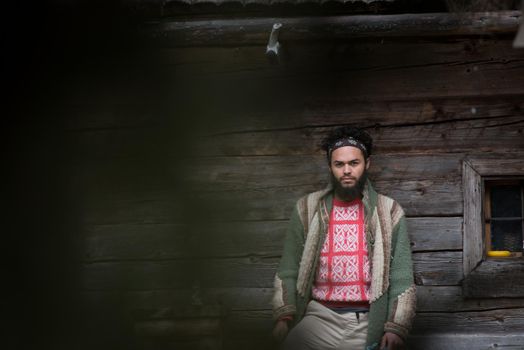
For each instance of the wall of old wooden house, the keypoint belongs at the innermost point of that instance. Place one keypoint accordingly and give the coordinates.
(174, 174)
(428, 103)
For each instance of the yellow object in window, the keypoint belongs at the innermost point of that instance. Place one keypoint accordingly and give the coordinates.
(499, 253)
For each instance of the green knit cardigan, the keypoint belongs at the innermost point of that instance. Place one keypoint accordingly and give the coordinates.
(393, 298)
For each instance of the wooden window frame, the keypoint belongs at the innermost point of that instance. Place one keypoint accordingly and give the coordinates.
(489, 183)
(487, 278)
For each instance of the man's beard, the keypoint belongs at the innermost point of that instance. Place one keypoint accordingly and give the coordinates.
(349, 193)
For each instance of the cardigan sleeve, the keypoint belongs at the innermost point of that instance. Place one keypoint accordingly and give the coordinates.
(402, 292)
(284, 297)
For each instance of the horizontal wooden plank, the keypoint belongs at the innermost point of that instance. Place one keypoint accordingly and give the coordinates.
(451, 298)
(160, 304)
(150, 207)
(146, 275)
(433, 268)
(334, 110)
(256, 322)
(251, 172)
(372, 55)
(370, 67)
(497, 133)
(438, 268)
(166, 241)
(513, 166)
(436, 341)
(358, 75)
(444, 233)
(136, 241)
(460, 136)
(418, 198)
(476, 340)
(233, 239)
(495, 278)
(182, 328)
(264, 134)
(104, 183)
(255, 31)
(245, 110)
(493, 322)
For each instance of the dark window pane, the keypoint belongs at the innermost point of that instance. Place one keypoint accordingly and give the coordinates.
(506, 235)
(505, 201)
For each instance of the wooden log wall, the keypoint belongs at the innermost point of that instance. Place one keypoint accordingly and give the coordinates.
(182, 209)
(427, 102)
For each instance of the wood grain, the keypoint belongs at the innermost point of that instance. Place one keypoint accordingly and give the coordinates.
(186, 205)
(494, 322)
(438, 268)
(115, 242)
(164, 303)
(473, 237)
(505, 276)
(459, 136)
(255, 31)
(432, 268)
(251, 172)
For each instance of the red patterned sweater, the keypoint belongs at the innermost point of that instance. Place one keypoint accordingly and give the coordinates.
(343, 276)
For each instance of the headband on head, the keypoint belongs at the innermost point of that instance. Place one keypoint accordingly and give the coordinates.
(348, 141)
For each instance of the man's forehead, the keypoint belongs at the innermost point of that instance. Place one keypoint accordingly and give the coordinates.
(347, 153)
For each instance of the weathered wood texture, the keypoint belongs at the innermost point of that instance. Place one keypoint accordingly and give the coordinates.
(112, 242)
(473, 223)
(506, 279)
(154, 9)
(166, 225)
(467, 341)
(164, 303)
(432, 268)
(489, 323)
(255, 31)
(459, 136)
(247, 320)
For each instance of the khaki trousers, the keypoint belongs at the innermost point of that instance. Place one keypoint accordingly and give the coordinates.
(322, 328)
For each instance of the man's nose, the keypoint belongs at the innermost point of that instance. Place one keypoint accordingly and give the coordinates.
(347, 169)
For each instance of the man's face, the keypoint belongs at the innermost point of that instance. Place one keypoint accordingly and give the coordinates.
(348, 168)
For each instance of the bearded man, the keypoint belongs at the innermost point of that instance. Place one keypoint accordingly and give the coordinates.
(345, 279)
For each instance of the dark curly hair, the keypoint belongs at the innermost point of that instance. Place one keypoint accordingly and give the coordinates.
(344, 132)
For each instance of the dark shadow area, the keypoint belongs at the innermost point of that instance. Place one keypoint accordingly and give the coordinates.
(69, 71)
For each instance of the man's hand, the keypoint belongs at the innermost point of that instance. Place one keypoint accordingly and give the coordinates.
(280, 330)
(391, 341)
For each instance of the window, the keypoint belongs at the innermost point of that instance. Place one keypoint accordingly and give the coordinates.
(504, 217)
(493, 220)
